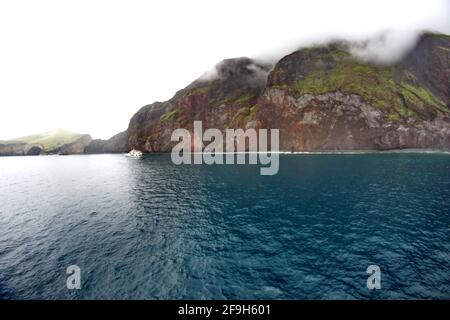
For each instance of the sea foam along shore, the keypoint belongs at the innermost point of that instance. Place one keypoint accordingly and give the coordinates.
(403, 151)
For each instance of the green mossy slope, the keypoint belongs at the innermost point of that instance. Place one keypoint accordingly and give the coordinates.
(377, 85)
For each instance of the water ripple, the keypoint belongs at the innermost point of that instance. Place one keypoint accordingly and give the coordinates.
(149, 229)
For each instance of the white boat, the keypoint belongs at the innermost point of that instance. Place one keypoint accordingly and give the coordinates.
(134, 153)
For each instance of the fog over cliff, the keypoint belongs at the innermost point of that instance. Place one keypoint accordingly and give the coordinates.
(70, 64)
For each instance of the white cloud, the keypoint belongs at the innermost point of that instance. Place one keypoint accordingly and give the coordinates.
(89, 65)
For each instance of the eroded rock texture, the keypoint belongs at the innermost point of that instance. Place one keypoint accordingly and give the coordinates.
(320, 98)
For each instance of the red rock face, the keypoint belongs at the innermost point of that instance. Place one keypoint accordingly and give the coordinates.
(344, 112)
(337, 121)
(344, 120)
(221, 102)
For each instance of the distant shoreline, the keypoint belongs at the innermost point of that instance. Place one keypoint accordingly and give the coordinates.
(324, 152)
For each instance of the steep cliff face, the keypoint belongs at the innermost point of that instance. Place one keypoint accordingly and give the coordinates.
(226, 99)
(320, 98)
(76, 147)
(429, 63)
(118, 143)
(20, 149)
(58, 141)
(325, 99)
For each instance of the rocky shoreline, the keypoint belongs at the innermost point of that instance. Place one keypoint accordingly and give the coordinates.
(33, 149)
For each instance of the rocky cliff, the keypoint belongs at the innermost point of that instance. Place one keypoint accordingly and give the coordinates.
(20, 149)
(321, 98)
(118, 143)
(77, 147)
(325, 99)
(55, 142)
(222, 100)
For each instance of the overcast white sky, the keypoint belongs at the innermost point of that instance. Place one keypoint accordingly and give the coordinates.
(89, 65)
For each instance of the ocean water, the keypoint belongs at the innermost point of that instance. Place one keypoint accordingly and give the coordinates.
(147, 229)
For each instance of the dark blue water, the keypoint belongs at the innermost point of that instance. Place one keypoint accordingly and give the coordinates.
(145, 228)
